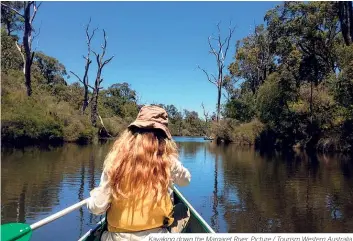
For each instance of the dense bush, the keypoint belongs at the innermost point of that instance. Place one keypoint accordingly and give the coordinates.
(297, 79)
(229, 130)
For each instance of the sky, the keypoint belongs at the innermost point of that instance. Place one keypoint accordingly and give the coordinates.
(157, 45)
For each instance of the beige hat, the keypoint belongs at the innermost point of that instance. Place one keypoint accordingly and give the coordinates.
(152, 117)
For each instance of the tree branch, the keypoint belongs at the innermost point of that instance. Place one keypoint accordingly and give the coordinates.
(14, 10)
(107, 61)
(231, 31)
(32, 57)
(22, 55)
(225, 96)
(212, 51)
(89, 37)
(97, 57)
(35, 9)
(101, 120)
(104, 47)
(208, 77)
(79, 79)
(205, 113)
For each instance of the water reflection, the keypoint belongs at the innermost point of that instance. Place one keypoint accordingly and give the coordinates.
(37, 182)
(191, 149)
(291, 193)
(234, 189)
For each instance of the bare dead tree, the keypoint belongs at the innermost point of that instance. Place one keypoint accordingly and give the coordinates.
(220, 53)
(26, 50)
(84, 80)
(205, 113)
(100, 63)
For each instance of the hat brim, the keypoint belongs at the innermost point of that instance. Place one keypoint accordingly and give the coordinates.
(151, 125)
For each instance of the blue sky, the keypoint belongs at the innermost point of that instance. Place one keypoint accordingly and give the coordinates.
(157, 45)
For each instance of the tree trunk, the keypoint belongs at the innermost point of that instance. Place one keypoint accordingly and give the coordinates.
(27, 40)
(220, 55)
(28, 77)
(8, 27)
(85, 99)
(94, 108)
(219, 96)
(27, 47)
(345, 14)
(97, 83)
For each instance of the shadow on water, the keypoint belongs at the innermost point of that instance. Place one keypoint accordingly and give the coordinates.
(37, 182)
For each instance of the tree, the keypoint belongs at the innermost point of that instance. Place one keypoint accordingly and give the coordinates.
(253, 60)
(84, 80)
(173, 113)
(26, 52)
(121, 99)
(241, 107)
(311, 31)
(220, 53)
(100, 63)
(52, 70)
(10, 57)
(345, 14)
(10, 19)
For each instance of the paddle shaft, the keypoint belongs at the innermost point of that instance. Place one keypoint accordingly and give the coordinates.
(58, 214)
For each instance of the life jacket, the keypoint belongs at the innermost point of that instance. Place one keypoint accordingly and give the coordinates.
(127, 215)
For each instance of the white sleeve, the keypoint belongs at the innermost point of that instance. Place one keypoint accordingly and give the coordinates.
(180, 175)
(100, 197)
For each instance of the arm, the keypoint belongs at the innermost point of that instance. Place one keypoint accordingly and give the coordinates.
(100, 197)
(180, 175)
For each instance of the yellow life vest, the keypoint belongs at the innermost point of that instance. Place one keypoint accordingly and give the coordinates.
(133, 215)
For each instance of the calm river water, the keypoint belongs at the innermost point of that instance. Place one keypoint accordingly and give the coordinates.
(235, 189)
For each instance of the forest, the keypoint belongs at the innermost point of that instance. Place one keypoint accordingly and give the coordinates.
(289, 84)
(295, 80)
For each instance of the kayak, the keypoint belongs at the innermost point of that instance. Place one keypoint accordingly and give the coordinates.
(196, 223)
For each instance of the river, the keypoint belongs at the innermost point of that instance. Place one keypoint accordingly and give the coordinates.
(235, 189)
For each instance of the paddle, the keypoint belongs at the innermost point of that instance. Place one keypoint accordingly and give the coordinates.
(23, 232)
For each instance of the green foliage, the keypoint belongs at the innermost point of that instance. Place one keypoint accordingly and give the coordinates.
(25, 118)
(242, 108)
(192, 125)
(41, 117)
(53, 112)
(186, 123)
(52, 70)
(231, 130)
(11, 21)
(120, 100)
(253, 60)
(10, 56)
(299, 71)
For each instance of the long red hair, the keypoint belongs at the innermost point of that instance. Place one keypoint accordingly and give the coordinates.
(139, 164)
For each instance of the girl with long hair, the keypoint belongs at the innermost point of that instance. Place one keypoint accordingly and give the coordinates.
(135, 186)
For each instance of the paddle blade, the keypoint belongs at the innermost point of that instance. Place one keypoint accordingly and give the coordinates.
(15, 231)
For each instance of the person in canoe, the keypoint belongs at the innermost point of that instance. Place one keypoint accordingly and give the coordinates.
(138, 173)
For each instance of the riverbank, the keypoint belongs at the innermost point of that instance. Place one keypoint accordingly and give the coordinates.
(52, 114)
(261, 136)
